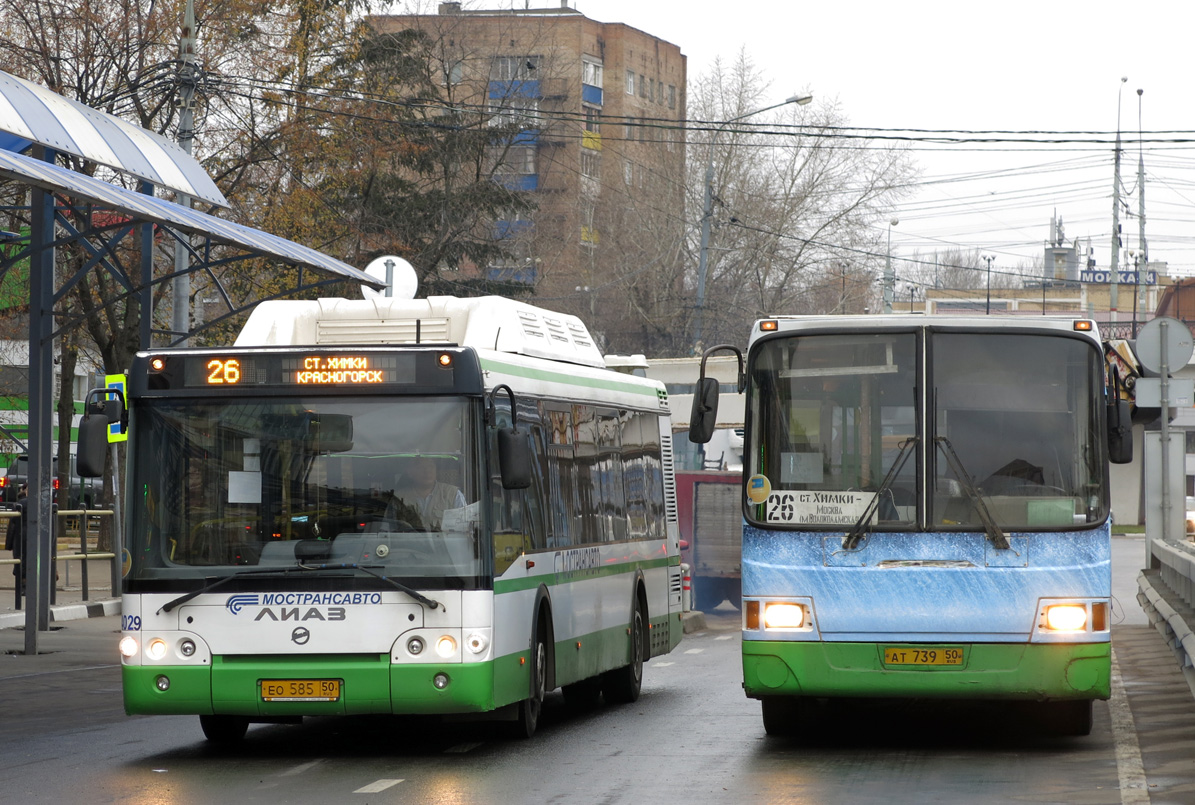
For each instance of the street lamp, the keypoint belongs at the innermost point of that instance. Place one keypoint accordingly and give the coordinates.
(889, 278)
(989, 258)
(707, 209)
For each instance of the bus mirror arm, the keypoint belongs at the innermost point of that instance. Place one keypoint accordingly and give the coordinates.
(1120, 425)
(514, 450)
(704, 415)
(101, 410)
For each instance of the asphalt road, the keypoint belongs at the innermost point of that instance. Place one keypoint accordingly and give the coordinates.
(692, 737)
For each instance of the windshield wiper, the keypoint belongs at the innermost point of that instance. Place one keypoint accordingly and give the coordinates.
(207, 588)
(989, 524)
(856, 533)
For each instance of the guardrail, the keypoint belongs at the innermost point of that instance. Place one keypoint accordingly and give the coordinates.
(84, 556)
(1166, 591)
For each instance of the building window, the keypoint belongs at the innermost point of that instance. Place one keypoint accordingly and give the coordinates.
(630, 82)
(522, 112)
(591, 73)
(671, 96)
(590, 163)
(628, 176)
(592, 118)
(642, 86)
(516, 68)
(520, 159)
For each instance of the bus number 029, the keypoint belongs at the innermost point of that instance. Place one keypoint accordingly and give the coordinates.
(130, 623)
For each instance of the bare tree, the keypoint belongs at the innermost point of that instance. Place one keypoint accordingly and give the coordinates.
(794, 207)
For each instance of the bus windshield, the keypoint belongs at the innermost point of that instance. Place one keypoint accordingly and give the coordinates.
(379, 482)
(840, 432)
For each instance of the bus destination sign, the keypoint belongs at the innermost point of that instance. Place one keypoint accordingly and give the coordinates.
(353, 369)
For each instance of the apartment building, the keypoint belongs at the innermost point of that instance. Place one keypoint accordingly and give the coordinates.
(601, 110)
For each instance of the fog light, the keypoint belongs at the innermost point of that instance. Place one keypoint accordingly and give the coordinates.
(476, 643)
(416, 645)
(156, 649)
(163, 683)
(440, 680)
(187, 647)
(783, 616)
(446, 646)
(128, 646)
(1066, 617)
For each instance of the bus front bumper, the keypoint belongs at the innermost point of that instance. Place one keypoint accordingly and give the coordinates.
(1022, 671)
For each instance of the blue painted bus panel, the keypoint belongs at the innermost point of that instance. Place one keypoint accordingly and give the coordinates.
(917, 587)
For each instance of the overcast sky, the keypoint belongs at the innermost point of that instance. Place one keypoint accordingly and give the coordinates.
(1046, 65)
(1049, 65)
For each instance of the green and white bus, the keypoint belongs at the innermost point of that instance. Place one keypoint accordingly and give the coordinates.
(288, 555)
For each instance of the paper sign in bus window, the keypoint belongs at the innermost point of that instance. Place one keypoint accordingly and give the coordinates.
(817, 508)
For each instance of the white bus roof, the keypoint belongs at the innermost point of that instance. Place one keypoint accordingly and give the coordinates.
(487, 322)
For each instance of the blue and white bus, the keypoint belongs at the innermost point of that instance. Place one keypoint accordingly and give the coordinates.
(926, 512)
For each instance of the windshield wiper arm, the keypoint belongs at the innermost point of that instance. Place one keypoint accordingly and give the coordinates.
(856, 532)
(989, 524)
(207, 588)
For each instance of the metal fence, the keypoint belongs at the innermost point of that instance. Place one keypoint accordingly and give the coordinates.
(77, 538)
(1166, 591)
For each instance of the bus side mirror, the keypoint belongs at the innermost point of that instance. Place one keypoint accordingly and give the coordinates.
(1120, 432)
(93, 445)
(514, 458)
(705, 410)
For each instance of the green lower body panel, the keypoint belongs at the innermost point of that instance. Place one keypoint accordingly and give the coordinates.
(368, 684)
(1024, 671)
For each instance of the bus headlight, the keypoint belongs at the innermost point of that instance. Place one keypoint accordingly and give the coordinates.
(128, 646)
(155, 649)
(1066, 617)
(446, 646)
(477, 643)
(783, 616)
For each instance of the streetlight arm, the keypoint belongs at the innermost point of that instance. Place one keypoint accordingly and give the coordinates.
(707, 208)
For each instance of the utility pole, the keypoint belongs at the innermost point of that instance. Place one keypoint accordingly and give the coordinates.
(1115, 263)
(989, 258)
(889, 276)
(187, 78)
(1142, 248)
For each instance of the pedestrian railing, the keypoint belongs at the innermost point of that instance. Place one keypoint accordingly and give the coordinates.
(1166, 591)
(83, 519)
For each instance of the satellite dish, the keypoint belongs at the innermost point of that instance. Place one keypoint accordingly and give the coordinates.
(397, 274)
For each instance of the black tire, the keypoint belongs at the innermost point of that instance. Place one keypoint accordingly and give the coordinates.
(529, 710)
(622, 685)
(224, 729)
(584, 695)
(784, 716)
(1069, 717)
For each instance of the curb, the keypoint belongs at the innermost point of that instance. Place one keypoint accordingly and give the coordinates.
(693, 621)
(66, 612)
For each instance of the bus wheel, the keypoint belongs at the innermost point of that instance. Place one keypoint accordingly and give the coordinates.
(224, 729)
(784, 715)
(1068, 717)
(531, 707)
(622, 685)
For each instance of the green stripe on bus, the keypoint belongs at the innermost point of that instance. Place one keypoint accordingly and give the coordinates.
(572, 380)
(568, 577)
(992, 670)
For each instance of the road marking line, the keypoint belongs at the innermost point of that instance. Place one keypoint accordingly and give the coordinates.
(376, 786)
(302, 767)
(1134, 789)
(695, 651)
(662, 664)
(461, 749)
(725, 637)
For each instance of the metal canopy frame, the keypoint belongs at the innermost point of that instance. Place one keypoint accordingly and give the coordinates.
(56, 124)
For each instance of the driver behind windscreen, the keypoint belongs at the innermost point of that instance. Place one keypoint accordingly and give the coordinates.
(420, 496)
